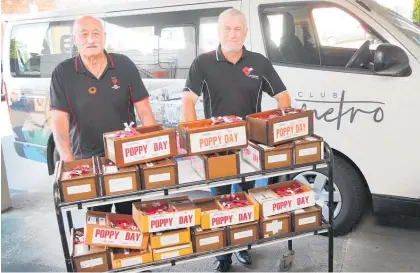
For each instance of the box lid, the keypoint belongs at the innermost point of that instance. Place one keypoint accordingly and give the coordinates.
(307, 210)
(308, 139)
(156, 164)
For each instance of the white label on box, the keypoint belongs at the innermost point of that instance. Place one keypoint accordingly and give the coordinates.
(92, 220)
(117, 237)
(308, 151)
(197, 162)
(218, 139)
(307, 220)
(289, 203)
(131, 261)
(102, 221)
(169, 221)
(170, 255)
(243, 234)
(290, 129)
(110, 169)
(169, 240)
(121, 184)
(91, 263)
(252, 155)
(78, 189)
(159, 177)
(311, 138)
(275, 226)
(208, 241)
(277, 158)
(232, 217)
(146, 148)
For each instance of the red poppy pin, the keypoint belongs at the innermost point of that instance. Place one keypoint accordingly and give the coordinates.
(114, 83)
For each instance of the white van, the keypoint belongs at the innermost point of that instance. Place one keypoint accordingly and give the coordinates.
(354, 62)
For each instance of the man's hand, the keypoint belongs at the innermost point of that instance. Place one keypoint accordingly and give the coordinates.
(144, 111)
(283, 99)
(60, 129)
(189, 100)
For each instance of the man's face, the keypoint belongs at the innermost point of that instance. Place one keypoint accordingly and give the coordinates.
(89, 37)
(232, 33)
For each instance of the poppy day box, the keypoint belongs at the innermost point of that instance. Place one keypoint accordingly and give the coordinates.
(279, 126)
(139, 145)
(263, 157)
(213, 135)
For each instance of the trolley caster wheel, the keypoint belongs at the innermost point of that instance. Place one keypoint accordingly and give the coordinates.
(286, 261)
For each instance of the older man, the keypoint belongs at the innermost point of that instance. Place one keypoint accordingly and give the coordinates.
(93, 93)
(231, 80)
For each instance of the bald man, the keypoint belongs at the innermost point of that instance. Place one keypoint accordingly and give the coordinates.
(93, 93)
(231, 80)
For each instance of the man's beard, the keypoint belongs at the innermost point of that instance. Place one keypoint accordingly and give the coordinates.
(228, 49)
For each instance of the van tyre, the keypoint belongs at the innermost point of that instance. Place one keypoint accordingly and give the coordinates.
(349, 185)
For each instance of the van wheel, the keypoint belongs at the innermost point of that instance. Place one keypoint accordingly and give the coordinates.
(349, 193)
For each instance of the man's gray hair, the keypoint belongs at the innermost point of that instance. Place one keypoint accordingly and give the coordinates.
(233, 12)
(80, 18)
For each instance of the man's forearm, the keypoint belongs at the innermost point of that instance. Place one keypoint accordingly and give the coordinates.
(144, 111)
(283, 99)
(60, 128)
(188, 111)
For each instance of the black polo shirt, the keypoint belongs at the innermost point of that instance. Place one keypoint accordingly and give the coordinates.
(232, 89)
(96, 106)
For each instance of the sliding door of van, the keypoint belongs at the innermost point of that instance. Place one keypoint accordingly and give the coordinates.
(324, 52)
(163, 42)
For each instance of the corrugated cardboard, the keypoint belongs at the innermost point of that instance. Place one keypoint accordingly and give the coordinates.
(170, 238)
(127, 257)
(158, 174)
(263, 157)
(242, 233)
(153, 143)
(99, 231)
(275, 206)
(309, 149)
(81, 187)
(206, 240)
(186, 215)
(306, 218)
(275, 225)
(172, 252)
(200, 137)
(220, 165)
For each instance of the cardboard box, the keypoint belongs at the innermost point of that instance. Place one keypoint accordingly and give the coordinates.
(279, 129)
(214, 215)
(242, 233)
(309, 149)
(201, 137)
(306, 218)
(206, 240)
(263, 157)
(80, 187)
(170, 238)
(158, 174)
(217, 165)
(172, 252)
(185, 214)
(273, 204)
(153, 143)
(100, 231)
(117, 180)
(127, 257)
(275, 225)
(87, 258)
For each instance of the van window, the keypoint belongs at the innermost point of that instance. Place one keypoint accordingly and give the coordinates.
(322, 36)
(36, 49)
(162, 45)
(209, 39)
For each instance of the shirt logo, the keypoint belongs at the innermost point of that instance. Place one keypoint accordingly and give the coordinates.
(247, 71)
(114, 82)
(92, 90)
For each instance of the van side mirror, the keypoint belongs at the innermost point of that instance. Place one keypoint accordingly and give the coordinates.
(390, 60)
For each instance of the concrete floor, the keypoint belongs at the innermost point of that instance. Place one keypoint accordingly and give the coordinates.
(31, 241)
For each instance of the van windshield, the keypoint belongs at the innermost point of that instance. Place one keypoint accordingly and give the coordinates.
(403, 24)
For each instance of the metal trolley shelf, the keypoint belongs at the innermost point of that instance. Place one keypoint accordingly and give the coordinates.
(190, 182)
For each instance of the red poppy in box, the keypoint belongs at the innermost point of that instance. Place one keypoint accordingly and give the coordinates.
(294, 189)
(231, 201)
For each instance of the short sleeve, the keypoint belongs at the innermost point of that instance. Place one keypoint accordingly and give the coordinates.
(136, 85)
(272, 84)
(195, 78)
(58, 97)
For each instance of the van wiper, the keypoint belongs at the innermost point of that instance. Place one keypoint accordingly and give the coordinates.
(363, 4)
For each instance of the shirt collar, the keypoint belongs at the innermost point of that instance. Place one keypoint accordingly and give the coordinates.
(221, 58)
(80, 67)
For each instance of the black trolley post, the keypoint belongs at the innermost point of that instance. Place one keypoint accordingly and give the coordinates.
(285, 262)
